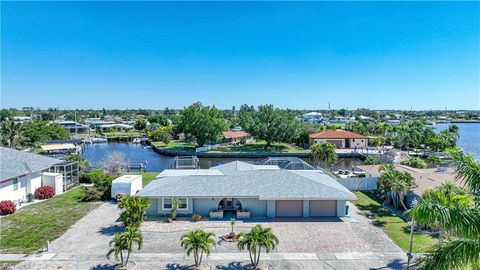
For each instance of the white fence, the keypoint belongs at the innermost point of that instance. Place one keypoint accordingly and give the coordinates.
(206, 148)
(360, 183)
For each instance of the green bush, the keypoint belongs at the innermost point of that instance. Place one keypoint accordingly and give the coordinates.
(371, 160)
(90, 194)
(102, 183)
(415, 162)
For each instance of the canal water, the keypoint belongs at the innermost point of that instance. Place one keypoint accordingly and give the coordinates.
(469, 137)
(96, 153)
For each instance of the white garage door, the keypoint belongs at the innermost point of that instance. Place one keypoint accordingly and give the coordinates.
(289, 208)
(323, 208)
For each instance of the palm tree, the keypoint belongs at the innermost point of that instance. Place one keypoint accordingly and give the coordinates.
(175, 204)
(255, 240)
(394, 184)
(324, 152)
(11, 134)
(125, 241)
(457, 215)
(198, 242)
(134, 210)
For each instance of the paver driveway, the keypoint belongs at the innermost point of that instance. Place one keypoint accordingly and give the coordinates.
(92, 233)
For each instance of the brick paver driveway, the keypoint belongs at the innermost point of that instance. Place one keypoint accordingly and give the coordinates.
(295, 235)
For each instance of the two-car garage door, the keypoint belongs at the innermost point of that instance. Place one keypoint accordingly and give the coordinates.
(294, 208)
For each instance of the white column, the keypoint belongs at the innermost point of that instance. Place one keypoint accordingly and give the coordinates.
(306, 208)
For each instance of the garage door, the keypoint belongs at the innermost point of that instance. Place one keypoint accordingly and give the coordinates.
(323, 208)
(289, 208)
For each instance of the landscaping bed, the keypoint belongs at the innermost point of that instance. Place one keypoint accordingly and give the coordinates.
(395, 227)
(32, 226)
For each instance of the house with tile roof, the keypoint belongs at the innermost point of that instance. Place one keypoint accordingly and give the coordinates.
(340, 138)
(239, 189)
(235, 137)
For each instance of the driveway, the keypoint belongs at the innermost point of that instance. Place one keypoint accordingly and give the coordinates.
(304, 244)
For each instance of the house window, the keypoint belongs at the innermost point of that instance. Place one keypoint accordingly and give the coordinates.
(362, 141)
(167, 204)
(15, 184)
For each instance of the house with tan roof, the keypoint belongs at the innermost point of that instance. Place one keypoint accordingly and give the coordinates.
(235, 137)
(340, 138)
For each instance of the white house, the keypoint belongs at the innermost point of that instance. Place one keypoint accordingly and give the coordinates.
(22, 173)
(313, 117)
(340, 138)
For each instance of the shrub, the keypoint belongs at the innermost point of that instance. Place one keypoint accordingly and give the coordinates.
(7, 207)
(101, 182)
(92, 176)
(91, 194)
(371, 160)
(45, 192)
(415, 162)
(197, 217)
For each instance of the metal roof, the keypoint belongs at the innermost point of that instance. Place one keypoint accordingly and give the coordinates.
(254, 182)
(14, 163)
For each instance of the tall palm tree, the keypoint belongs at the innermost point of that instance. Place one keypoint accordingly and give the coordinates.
(11, 134)
(198, 242)
(124, 242)
(255, 240)
(457, 216)
(324, 152)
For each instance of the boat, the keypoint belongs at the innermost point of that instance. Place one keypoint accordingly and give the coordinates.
(98, 140)
(137, 140)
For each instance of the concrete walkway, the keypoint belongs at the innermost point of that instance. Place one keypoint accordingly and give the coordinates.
(353, 260)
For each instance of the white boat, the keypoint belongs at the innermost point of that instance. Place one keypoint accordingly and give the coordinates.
(137, 140)
(99, 140)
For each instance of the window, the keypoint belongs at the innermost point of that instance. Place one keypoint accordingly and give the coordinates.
(167, 204)
(15, 184)
(362, 140)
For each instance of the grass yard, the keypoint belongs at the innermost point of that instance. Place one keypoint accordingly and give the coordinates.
(147, 177)
(32, 226)
(176, 145)
(260, 147)
(395, 227)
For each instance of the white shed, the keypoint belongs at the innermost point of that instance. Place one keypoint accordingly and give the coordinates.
(126, 185)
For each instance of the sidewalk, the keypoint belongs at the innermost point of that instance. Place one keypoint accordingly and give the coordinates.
(353, 260)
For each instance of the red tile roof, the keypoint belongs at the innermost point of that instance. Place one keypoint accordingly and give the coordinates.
(235, 134)
(337, 134)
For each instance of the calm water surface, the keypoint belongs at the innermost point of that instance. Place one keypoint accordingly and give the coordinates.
(469, 137)
(96, 153)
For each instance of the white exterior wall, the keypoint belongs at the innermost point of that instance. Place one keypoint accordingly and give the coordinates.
(7, 191)
(341, 208)
(322, 141)
(358, 143)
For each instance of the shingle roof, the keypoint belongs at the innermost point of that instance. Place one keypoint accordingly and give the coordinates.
(337, 134)
(14, 163)
(263, 184)
(235, 134)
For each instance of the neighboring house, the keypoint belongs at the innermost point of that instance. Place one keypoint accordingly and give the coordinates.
(313, 117)
(115, 127)
(235, 137)
(22, 119)
(22, 173)
(424, 178)
(243, 190)
(74, 127)
(340, 138)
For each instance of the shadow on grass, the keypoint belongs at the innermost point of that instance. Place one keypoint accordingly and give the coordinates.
(375, 211)
(111, 230)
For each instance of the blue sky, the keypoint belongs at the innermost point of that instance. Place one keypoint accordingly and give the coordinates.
(390, 55)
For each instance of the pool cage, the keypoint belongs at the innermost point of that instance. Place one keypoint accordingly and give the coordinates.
(287, 163)
(70, 172)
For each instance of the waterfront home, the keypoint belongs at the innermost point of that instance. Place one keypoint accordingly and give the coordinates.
(340, 138)
(243, 190)
(235, 137)
(74, 128)
(22, 173)
(116, 127)
(313, 117)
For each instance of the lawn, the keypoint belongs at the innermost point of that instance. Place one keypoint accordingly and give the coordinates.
(32, 226)
(147, 177)
(395, 227)
(260, 147)
(176, 145)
